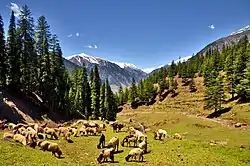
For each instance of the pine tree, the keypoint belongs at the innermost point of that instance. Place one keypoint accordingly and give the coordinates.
(125, 94)
(42, 45)
(240, 64)
(230, 72)
(192, 86)
(28, 56)
(243, 89)
(214, 93)
(102, 101)
(173, 84)
(73, 91)
(95, 93)
(88, 111)
(84, 93)
(163, 84)
(132, 91)
(14, 59)
(3, 57)
(80, 91)
(172, 69)
(110, 104)
(58, 78)
(120, 96)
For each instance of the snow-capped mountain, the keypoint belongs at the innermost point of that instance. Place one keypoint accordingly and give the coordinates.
(246, 28)
(227, 41)
(118, 73)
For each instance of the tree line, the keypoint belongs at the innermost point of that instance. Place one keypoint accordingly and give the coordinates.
(31, 62)
(224, 72)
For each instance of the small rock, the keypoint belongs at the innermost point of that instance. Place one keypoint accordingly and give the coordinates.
(181, 159)
(178, 155)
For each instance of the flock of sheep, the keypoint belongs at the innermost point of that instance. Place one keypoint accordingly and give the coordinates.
(34, 134)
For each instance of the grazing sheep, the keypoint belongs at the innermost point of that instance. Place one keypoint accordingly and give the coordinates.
(41, 136)
(51, 132)
(11, 126)
(128, 139)
(117, 127)
(8, 136)
(114, 143)
(81, 122)
(101, 142)
(20, 138)
(62, 130)
(20, 125)
(31, 129)
(43, 145)
(93, 124)
(73, 131)
(38, 129)
(160, 133)
(91, 131)
(143, 145)
(54, 148)
(103, 126)
(82, 131)
(21, 131)
(177, 136)
(140, 127)
(67, 135)
(134, 153)
(139, 135)
(105, 154)
(30, 136)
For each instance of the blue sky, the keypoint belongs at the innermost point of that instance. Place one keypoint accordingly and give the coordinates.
(147, 33)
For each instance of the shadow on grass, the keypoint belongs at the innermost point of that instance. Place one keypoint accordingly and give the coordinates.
(60, 157)
(70, 141)
(149, 151)
(243, 100)
(219, 113)
(136, 161)
(119, 151)
(231, 99)
(110, 162)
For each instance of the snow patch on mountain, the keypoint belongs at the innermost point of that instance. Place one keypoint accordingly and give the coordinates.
(183, 59)
(149, 70)
(123, 65)
(246, 28)
(85, 56)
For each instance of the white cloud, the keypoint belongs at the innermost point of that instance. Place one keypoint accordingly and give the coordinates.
(15, 8)
(70, 35)
(77, 34)
(92, 46)
(211, 26)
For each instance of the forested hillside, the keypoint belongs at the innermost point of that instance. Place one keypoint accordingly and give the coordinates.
(226, 76)
(31, 63)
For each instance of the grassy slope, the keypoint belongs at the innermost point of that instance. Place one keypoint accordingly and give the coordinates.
(195, 149)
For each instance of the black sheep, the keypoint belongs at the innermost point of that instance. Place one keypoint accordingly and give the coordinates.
(101, 142)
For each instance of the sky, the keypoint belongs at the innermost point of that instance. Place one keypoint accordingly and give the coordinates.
(147, 33)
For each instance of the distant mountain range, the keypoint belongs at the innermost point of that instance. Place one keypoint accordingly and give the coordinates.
(121, 74)
(117, 73)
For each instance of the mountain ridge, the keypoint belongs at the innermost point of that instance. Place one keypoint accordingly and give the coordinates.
(117, 73)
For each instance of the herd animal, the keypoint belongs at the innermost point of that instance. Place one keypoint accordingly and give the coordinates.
(35, 134)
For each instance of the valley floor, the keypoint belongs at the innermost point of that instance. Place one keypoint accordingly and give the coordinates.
(195, 149)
